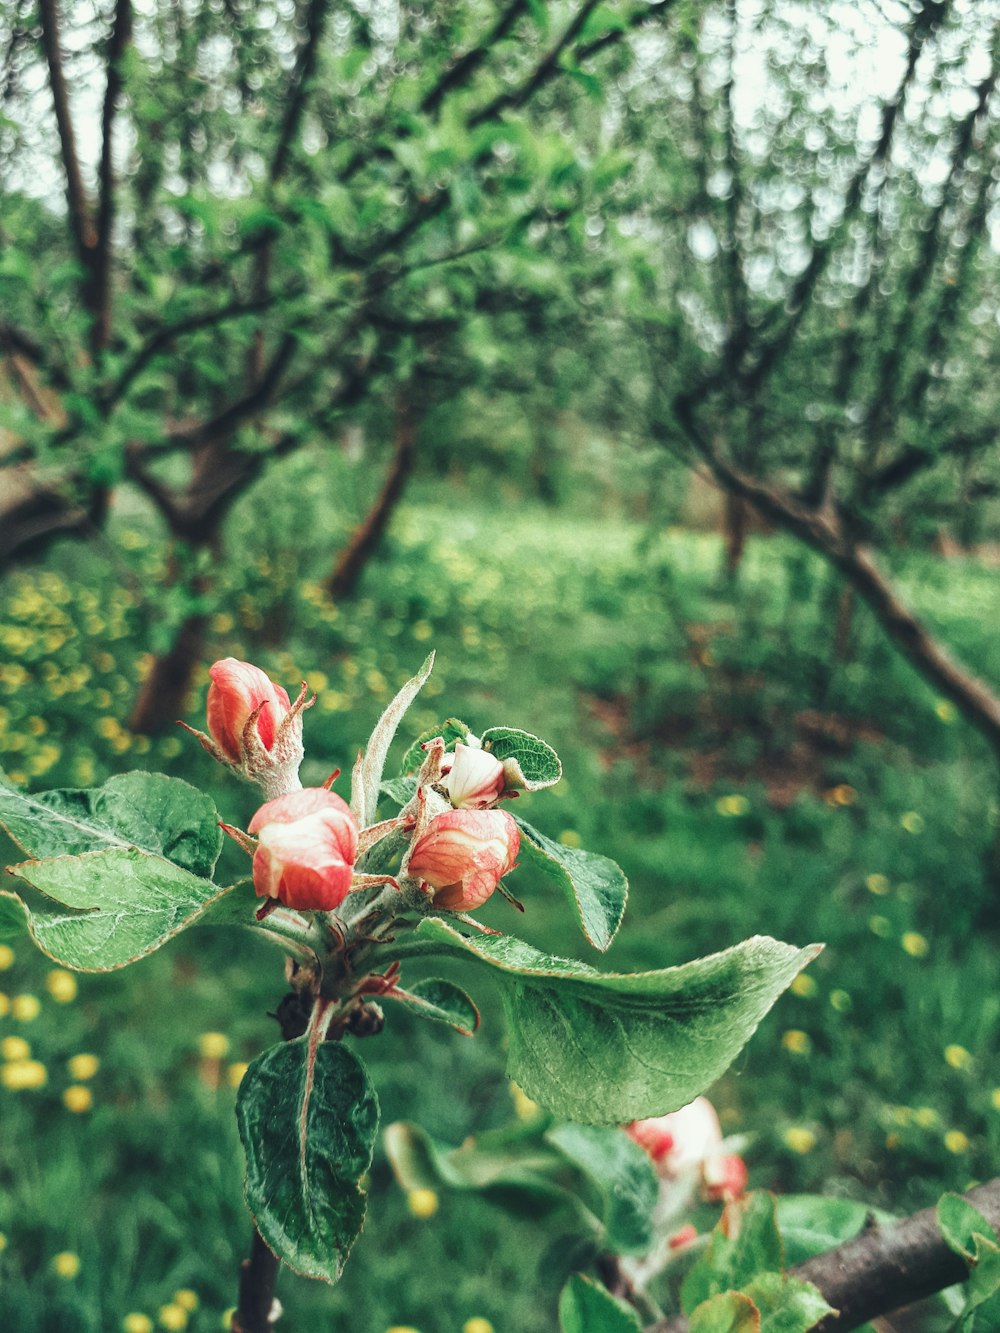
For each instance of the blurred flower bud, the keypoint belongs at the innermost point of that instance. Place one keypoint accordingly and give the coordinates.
(307, 844)
(681, 1140)
(473, 778)
(724, 1176)
(685, 1236)
(253, 727)
(464, 854)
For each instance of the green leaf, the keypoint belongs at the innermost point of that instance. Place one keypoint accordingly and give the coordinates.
(595, 885)
(529, 762)
(145, 810)
(585, 1307)
(730, 1263)
(308, 1116)
(399, 790)
(960, 1224)
(786, 1304)
(812, 1223)
(451, 731)
(604, 1048)
(367, 776)
(623, 1175)
(124, 904)
(729, 1312)
(441, 1001)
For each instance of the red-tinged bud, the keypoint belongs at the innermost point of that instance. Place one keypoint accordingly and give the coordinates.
(473, 778)
(307, 844)
(254, 728)
(685, 1236)
(463, 855)
(681, 1140)
(237, 690)
(724, 1177)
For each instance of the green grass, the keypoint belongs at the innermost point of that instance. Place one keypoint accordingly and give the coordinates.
(685, 713)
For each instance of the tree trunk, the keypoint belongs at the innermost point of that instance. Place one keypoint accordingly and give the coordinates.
(365, 538)
(736, 524)
(163, 697)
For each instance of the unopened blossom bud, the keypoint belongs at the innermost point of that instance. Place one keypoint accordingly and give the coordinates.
(463, 855)
(473, 778)
(305, 854)
(724, 1176)
(683, 1237)
(253, 726)
(236, 691)
(681, 1140)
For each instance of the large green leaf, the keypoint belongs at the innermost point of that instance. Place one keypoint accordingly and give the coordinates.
(122, 904)
(145, 810)
(623, 1175)
(594, 884)
(729, 1312)
(786, 1304)
(604, 1048)
(308, 1116)
(585, 1307)
(531, 763)
(731, 1261)
(971, 1236)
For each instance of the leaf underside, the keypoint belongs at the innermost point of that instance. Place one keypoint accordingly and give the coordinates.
(594, 884)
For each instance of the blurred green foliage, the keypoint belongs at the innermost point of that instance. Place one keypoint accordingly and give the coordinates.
(745, 779)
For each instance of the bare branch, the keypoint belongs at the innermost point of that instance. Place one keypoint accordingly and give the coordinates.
(81, 222)
(465, 66)
(121, 35)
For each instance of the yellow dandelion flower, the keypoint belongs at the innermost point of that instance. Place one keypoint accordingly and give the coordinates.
(6, 957)
(15, 1048)
(880, 926)
(235, 1072)
(958, 1057)
(925, 1116)
(797, 1042)
(213, 1045)
(402, 1328)
(422, 1203)
(173, 1317)
(422, 631)
(912, 822)
(66, 1264)
(524, 1107)
(318, 681)
(955, 1141)
(3, 1242)
(35, 726)
(945, 710)
(841, 1001)
(171, 747)
(82, 1066)
(186, 1299)
(843, 794)
(799, 1139)
(731, 807)
(137, 1323)
(25, 1008)
(903, 1115)
(804, 986)
(477, 1325)
(222, 622)
(23, 1075)
(227, 1318)
(570, 838)
(915, 944)
(61, 985)
(995, 1099)
(78, 1099)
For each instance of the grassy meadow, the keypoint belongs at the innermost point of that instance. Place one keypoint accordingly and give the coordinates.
(746, 778)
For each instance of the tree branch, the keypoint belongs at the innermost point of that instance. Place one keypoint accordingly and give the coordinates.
(883, 1269)
(81, 222)
(121, 35)
(465, 66)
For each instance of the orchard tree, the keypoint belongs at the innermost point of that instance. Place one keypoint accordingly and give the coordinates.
(224, 226)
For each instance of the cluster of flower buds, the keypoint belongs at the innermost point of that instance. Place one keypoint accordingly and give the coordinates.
(305, 841)
(689, 1142)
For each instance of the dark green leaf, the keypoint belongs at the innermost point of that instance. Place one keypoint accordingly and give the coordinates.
(442, 1001)
(145, 810)
(604, 1048)
(530, 762)
(623, 1175)
(960, 1223)
(812, 1223)
(585, 1307)
(595, 885)
(124, 903)
(451, 731)
(308, 1116)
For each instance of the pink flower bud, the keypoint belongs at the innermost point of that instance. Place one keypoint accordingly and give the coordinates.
(464, 854)
(681, 1140)
(238, 688)
(307, 844)
(724, 1177)
(685, 1236)
(473, 778)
